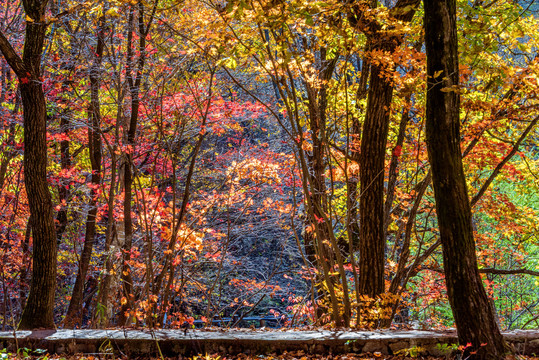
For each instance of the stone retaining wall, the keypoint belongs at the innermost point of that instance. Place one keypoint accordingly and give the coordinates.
(193, 342)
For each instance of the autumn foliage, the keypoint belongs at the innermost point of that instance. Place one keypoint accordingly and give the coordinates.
(216, 149)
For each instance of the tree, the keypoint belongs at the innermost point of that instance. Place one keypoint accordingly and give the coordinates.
(38, 312)
(472, 310)
(134, 80)
(74, 313)
(372, 156)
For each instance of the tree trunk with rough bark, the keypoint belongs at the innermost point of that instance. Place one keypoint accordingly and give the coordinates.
(372, 241)
(472, 310)
(38, 312)
(372, 170)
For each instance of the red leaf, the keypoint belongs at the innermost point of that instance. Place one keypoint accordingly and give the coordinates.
(397, 151)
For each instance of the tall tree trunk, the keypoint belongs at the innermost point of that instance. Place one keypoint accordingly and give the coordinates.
(23, 275)
(353, 148)
(126, 278)
(372, 241)
(472, 310)
(371, 169)
(101, 312)
(74, 312)
(63, 188)
(321, 247)
(114, 234)
(38, 312)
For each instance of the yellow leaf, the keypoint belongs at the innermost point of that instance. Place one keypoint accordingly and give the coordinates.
(29, 19)
(113, 12)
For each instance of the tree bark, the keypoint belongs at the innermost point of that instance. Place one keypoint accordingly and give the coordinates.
(371, 170)
(472, 310)
(38, 312)
(372, 241)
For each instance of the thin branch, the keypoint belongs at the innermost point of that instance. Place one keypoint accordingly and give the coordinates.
(488, 271)
(503, 162)
(508, 272)
(57, 17)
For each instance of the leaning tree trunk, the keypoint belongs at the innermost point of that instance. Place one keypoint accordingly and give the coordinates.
(74, 312)
(38, 312)
(472, 310)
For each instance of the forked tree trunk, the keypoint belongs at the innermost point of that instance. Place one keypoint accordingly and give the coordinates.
(472, 310)
(134, 79)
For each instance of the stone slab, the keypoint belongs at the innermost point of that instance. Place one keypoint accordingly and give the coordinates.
(235, 341)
